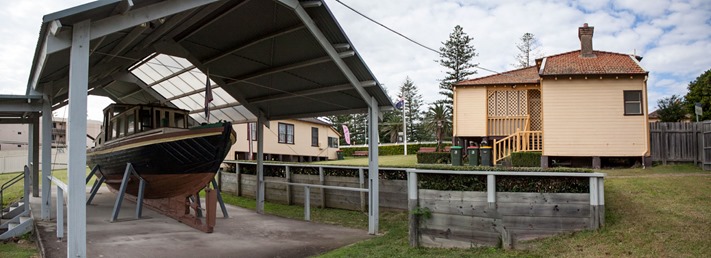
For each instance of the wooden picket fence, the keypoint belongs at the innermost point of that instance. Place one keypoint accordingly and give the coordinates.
(681, 142)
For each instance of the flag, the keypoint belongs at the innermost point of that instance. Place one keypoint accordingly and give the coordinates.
(208, 95)
(347, 134)
(400, 104)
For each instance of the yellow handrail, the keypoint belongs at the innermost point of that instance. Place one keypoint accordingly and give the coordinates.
(520, 141)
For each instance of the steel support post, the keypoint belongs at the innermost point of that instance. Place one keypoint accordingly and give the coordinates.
(46, 155)
(76, 139)
(260, 164)
(60, 213)
(373, 182)
(34, 155)
(219, 199)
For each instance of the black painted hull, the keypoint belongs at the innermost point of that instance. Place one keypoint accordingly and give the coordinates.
(172, 163)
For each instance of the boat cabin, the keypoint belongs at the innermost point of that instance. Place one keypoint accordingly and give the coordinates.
(121, 120)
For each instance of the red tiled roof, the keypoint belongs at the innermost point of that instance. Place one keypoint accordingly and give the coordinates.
(571, 63)
(518, 76)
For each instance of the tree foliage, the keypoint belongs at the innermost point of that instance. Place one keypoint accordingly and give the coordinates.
(456, 56)
(671, 109)
(528, 47)
(439, 121)
(413, 103)
(700, 92)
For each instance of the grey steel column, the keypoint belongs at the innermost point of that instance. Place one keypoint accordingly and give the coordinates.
(373, 211)
(76, 139)
(260, 164)
(46, 155)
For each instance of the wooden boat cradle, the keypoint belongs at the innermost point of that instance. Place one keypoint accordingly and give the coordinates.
(185, 208)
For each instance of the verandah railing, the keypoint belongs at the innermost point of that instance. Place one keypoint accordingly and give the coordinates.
(517, 142)
(506, 125)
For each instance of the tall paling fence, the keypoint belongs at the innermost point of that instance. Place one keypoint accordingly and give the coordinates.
(681, 142)
(242, 181)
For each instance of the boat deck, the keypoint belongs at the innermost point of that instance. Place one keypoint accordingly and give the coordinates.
(244, 234)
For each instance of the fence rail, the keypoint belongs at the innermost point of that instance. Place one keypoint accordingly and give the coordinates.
(677, 142)
(506, 125)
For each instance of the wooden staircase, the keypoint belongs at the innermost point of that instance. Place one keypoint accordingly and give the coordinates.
(520, 141)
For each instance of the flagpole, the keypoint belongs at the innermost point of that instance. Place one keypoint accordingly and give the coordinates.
(404, 122)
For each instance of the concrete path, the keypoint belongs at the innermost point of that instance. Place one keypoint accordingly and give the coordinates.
(244, 234)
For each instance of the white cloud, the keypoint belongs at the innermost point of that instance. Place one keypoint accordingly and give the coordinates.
(673, 36)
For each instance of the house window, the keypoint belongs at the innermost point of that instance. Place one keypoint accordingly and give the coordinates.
(332, 142)
(286, 133)
(314, 137)
(633, 102)
(252, 131)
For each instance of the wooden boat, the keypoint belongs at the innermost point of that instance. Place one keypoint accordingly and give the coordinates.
(176, 160)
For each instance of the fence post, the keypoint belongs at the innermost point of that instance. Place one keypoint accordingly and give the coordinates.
(412, 203)
(60, 213)
(322, 181)
(594, 215)
(491, 190)
(361, 184)
(239, 180)
(307, 203)
(601, 199)
(289, 198)
(664, 142)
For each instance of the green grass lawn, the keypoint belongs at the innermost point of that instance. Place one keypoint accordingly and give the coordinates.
(385, 161)
(664, 211)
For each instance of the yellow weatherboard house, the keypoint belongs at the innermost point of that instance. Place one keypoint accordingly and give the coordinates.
(577, 106)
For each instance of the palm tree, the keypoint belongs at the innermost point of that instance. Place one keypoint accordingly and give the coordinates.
(391, 127)
(438, 120)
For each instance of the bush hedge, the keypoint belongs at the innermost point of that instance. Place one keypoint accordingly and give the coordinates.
(389, 149)
(526, 159)
(434, 158)
(512, 183)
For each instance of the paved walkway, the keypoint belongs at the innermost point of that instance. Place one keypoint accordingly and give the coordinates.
(244, 234)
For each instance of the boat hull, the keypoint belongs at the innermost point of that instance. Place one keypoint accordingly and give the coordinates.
(172, 163)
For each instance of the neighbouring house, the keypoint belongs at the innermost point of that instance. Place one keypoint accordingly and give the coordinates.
(296, 140)
(15, 136)
(579, 105)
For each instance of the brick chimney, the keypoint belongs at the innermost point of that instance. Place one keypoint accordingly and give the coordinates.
(585, 34)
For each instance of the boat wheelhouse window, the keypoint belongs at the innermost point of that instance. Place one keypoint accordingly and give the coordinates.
(286, 133)
(145, 117)
(131, 123)
(179, 120)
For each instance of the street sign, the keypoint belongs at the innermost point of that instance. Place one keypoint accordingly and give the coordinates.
(698, 109)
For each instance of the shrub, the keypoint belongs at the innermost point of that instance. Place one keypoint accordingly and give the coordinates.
(434, 158)
(526, 159)
(389, 149)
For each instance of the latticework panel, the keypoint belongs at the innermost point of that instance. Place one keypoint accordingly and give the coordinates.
(534, 109)
(507, 103)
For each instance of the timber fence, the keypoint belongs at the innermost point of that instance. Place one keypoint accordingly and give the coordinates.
(681, 142)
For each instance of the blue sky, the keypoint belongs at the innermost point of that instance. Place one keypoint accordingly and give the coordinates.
(674, 37)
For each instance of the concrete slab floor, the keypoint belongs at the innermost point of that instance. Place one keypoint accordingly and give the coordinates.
(244, 234)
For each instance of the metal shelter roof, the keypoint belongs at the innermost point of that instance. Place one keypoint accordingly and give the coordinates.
(279, 59)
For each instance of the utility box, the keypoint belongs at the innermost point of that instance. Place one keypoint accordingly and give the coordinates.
(473, 153)
(485, 156)
(456, 155)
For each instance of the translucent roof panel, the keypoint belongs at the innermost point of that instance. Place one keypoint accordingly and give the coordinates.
(183, 85)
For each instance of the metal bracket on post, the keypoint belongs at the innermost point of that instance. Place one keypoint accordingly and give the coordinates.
(122, 191)
(97, 184)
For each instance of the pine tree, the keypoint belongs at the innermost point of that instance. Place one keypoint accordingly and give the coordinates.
(529, 51)
(413, 103)
(456, 55)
